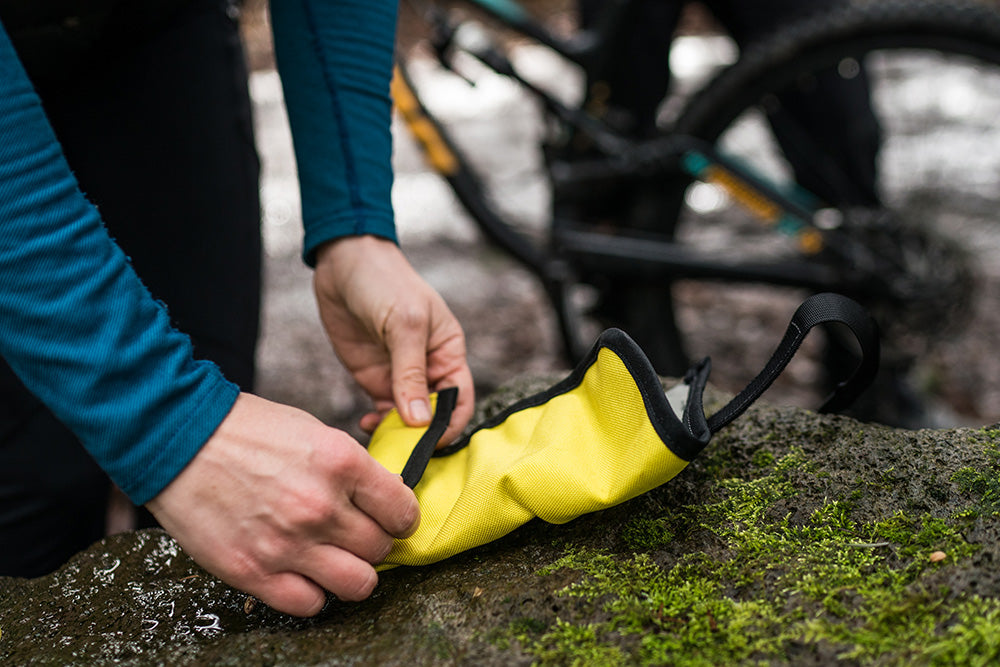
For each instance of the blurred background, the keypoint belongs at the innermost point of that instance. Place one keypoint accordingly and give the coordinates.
(509, 329)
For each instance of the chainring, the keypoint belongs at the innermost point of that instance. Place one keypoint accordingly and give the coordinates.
(922, 281)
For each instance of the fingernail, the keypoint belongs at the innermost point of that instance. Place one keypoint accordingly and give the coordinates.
(420, 410)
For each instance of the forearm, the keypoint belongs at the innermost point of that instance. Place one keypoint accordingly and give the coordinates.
(335, 60)
(77, 325)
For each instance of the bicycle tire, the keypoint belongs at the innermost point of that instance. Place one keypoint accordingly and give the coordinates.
(870, 34)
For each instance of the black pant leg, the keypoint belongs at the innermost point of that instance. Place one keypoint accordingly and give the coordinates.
(53, 496)
(830, 134)
(159, 135)
(637, 74)
(162, 142)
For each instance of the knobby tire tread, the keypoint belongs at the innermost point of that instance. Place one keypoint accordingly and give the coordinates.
(960, 28)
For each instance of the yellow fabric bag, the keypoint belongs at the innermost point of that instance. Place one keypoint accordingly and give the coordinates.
(604, 435)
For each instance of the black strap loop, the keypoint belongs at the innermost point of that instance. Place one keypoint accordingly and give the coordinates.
(424, 449)
(818, 309)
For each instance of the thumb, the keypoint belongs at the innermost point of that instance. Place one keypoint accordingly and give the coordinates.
(408, 355)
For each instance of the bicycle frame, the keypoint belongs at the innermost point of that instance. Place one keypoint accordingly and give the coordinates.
(572, 247)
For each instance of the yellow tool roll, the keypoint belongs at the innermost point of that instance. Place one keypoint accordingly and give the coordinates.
(604, 435)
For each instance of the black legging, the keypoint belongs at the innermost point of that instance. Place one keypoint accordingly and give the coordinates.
(158, 132)
(837, 115)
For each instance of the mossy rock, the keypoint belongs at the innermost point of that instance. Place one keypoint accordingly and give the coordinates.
(794, 539)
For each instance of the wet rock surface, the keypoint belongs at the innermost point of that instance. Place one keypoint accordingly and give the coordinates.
(136, 598)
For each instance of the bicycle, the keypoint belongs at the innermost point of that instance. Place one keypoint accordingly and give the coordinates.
(909, 260)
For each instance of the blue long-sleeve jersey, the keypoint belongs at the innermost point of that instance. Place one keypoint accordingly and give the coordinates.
(76, 323)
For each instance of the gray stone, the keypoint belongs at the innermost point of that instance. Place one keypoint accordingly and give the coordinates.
(136, 598)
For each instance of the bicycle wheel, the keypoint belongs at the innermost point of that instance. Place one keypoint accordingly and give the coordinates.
(916, 178)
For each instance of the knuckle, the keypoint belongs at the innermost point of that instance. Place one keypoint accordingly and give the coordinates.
(453, 336)
(274, 550)
(412, 316)
(340, 458)
(405, 320)
(243, 569)
(309, 509)
(413, 375)
(409, 514)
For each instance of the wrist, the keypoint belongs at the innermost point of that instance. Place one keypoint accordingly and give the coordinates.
(346, 248)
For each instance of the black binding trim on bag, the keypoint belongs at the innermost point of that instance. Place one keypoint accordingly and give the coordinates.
(688, 434)
(684, 438)
(424, 449)
(685, 435)
(817, 309)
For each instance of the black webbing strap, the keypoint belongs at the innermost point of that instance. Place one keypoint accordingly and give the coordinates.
(818, 309)
(424, 449)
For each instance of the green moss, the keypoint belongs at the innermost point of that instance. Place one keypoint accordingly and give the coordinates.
(822, 581)
(523, 626)
(762, 458)
(916, 537)
(983, 483)
(973, 639)
(646, 533)
(568, 644)
(522, 629)
(436, 640)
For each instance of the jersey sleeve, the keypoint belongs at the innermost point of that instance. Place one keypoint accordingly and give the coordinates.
(76, 324)
(335, 60)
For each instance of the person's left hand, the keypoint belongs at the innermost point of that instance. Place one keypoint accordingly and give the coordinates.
(392, 331)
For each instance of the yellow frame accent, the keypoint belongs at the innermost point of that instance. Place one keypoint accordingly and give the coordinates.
(438, 154)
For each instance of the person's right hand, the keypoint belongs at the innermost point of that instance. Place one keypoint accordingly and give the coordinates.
(281, 506)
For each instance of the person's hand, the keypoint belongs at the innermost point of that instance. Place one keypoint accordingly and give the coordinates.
(392, 331)
(281, 506)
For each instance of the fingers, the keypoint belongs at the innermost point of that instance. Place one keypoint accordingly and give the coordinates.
(282, 506)
(323, 568)
(370, 421)
(364, 536)
(290, 593)
(343, 574)
(392, 330)
(460, 418)
(341, 560)
(429, 358)
(358, 534)
(391, 504)
(406, 337)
